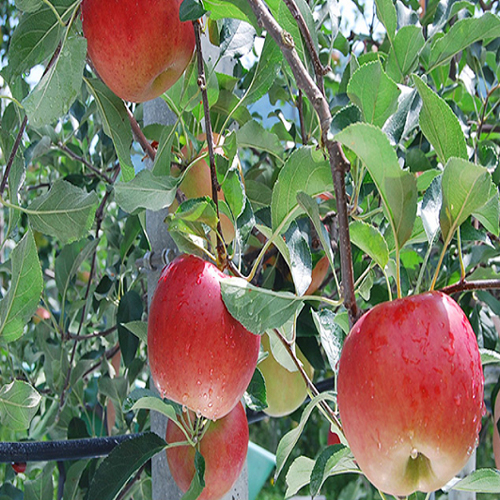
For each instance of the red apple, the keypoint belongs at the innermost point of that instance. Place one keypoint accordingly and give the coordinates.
(410, 393)
(199, 355)
(496, 435)
(19, 467)
(333, 438)
(138, 47)
(223, 446)
(285, 390)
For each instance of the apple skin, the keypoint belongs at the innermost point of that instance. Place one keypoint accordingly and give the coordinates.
(223, 446)
(138, 47)
(285, 390)
(199, 355)
(410, 384)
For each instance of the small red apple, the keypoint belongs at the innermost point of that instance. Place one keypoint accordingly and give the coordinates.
(19, 467)
(410, 393)
(139, 48)
(285, 390)
(333, 438)
(223, 446)
(199, 355)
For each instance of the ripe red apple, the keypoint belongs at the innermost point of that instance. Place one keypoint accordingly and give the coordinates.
(333, 438)
(138, 47)
(285, 390)
(410, 393)
(223, 446)
(199, 355)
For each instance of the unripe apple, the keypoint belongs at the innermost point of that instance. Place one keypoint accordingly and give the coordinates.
(410, 393)
(223, 446)
(139, 48)
(198, 182)
(285, 390)
(199, 355)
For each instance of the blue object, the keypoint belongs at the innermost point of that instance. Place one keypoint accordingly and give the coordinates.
(260, 463)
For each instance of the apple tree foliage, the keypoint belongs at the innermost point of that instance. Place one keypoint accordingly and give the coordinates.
(410, 91)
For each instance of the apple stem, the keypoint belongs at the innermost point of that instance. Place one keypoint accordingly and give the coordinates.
(202, 84)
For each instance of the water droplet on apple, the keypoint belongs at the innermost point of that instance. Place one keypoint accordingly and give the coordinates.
(414, 453)
(211, 371)
(198, 382)
(210, 405)
(185, 398)
(458, 399)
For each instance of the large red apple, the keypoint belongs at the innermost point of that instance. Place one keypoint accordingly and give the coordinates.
(410, 393)
(285, 390)
(223, 446)
(199, 355)
(138, 47)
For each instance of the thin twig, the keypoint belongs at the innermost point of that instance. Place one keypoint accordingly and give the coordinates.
(300, 107)
(107, 355)
(319, 70)
(13, 153)
(76, 157)
(131, 483)
(202, 84)
(338, 162)
(95, 335)
(140, 137)
(463, 286)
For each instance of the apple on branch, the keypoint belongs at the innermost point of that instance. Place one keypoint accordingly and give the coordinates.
(199, 355)
(410, 393)
(285, 390)
(139, 48)
(224, 447)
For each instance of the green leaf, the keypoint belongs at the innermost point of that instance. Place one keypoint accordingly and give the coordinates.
(305, 170)
(345, 117)
(129, 309)
(258, 309)
(462, 34)
(60, 85)
(489, 357)
(403, 55)
(36, 36)
(298, 475)
(480, 481)
(331, 335)
(121, 463)
(386, 12)
(19, 403)
(397, 187)
(73, 476)
(300, 260)
(28, 5)
(41, 488)
(489, 213)
(198, 210)
(115, 123)
(266, 72)
(253, 135)
(139, 329)
(69, 261)
(466, 188)
(146, 192)
(66, 212)
(334, 460)
(310, 206)
(378, 100)
(191, 10)
(255, 395)
(198, 482)
(289, 440)
(23, 297)
(233, 9)
(370, 240)
(439, 124)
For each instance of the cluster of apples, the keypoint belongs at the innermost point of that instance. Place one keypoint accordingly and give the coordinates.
(410, 381)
